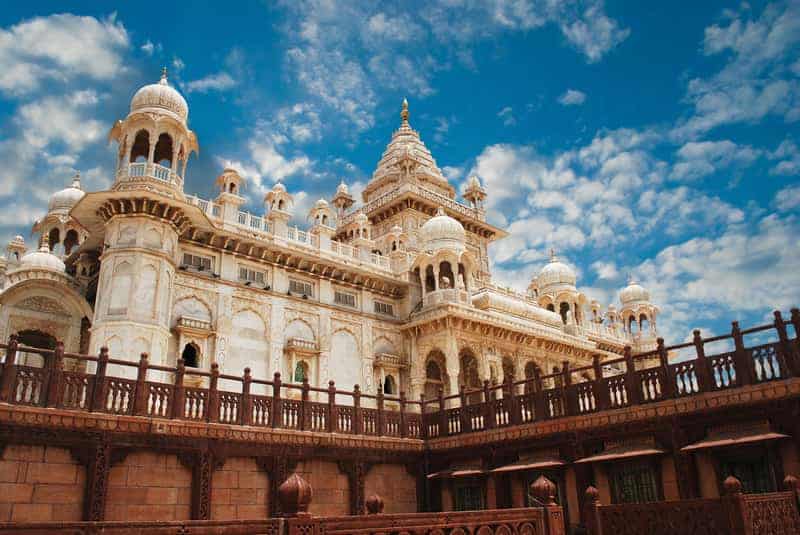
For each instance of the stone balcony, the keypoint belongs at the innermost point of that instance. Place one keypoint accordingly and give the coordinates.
(145, 172)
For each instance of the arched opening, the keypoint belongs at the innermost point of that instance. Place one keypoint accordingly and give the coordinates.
(38, 339)
(530, 373)
(301, 372)
(446, 279)
(163, 153)
(70, 240)
(141, 146)
(191, 355)
(389, 385)
(434, 378)
(644, 323)
(632, 324)
(551, 307)
(468, 377)
(563, 309)
(53, 238)
(462, 276)
(232, 188)
(280, 204)
(430, 280)
(509, 370)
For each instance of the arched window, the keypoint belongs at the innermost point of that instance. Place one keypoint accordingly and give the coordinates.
(38, 339)
(389, 386)
(446, 279)
(551, 307)
(430, 280)
(70, 240)
(563, 309)
(530, 373)
(141, 146)
(232, 188)
(631, 324)
(301, 372)
(433, 372)
(644, 323)
(191, 356)
(163, 153)
(434, 378)
(53, 238)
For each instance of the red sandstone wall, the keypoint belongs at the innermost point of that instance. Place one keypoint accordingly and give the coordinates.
(39, 483)
(331, 492)
(240, 491)
(149, 486)
(395, 485)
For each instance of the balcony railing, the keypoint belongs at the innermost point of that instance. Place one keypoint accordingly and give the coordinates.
(567, 392)
(450, 295)
(138, 170)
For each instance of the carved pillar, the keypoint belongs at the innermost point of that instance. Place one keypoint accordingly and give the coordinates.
(202, 463)
(356, 472)
(94, 503)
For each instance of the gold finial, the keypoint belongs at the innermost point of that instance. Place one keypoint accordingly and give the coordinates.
(404, 111)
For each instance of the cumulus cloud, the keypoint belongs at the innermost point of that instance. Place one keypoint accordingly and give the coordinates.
(507, 116)
(788, 198)
(698, 159)
(787, 156)
(572, 97)
(60, 48)
(221, 81)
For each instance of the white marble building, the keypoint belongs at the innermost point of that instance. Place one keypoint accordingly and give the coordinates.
(395, 293)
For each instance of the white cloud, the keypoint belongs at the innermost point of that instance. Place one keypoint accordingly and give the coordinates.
(507, 116)
(788, 198)
(60, 48)
(572, 97)
(300, 122)
(220, 81)
(594, 33)
(788, 156)
(605, 270)
(698, 159)
(148, 48)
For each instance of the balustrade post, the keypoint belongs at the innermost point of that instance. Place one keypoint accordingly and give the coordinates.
(332, 415)
(567, 392)
(9, 371)
(744, 365)
(357, 427)
(669, 387)
(443, 427)
(305, 409)
(632, 384)
(466, 422)
(734, 506)
(792, 484)
(602, 398)
(539, 401)
(423, 421)
(789, 359)
(488, 407)
(99, 393)
(178, 391)
(701, 369)
(55, 376)
(591, 512)
(212, 411)
(277, 410)
(140, 401)
(381, 413)
(511, 402)
(403, 423)
(246, 412)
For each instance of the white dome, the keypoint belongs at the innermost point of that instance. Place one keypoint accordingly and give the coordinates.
(633, 293)
(342, 188)
(279, 187)
(42, 259)
(321, 203)
(442, 231)
(161, 97)
(64, 200)
(556, 273)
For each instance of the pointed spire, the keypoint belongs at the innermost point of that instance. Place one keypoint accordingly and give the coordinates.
(163, 80)
(76, 180)
(404, 112)
(553, 256)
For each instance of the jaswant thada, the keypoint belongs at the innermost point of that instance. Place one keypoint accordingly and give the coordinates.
(177, 365)
(397, 292)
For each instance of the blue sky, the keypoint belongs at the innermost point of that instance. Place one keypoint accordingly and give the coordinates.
(654, 138)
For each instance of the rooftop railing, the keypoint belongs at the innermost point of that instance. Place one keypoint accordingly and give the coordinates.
(138, 170)
(83, 383)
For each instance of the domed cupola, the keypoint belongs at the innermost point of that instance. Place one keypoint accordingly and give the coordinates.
(633, 293)
(62, 201)
(555, 273)
(42, 259)
(159, 98)
(443, 232)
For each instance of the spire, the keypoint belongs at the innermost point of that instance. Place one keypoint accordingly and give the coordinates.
(163, 80)
(44, 245)
(76, 180)
(553, 257)
(404, 112)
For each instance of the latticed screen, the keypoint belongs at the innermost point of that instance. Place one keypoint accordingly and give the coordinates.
(469, 497)
(250, 275)
(634, 483)
(301, 288)
(201, 263)
(384, 308)
(344, 298)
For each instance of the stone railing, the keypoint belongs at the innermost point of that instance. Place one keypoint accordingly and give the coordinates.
(138, 170)
(450, 295)
(612, 384)
(732, 514)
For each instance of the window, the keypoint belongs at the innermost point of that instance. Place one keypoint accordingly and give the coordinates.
(345, 298)
(298, 287)
(633, 482)
(751, 466)
(386, 309)
(250, 275)
(389, 386)
(197, 262)
(469, 496)
(301, 372)
(190, 356)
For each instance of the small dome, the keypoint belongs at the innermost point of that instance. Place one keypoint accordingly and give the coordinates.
(442, 231)
(556, 273)
(160, 97)
(362, 217)
(42, 259)
(64, 200)
(633, 293)
(279, 187)
(473, 183)
(342, 188)
(321, 203)
(18, 240)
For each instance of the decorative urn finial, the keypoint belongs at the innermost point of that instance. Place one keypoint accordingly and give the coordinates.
(294, 496)
(592, 494)
(374, 505)
(544, 490)
(732, 486)
(404, 112)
